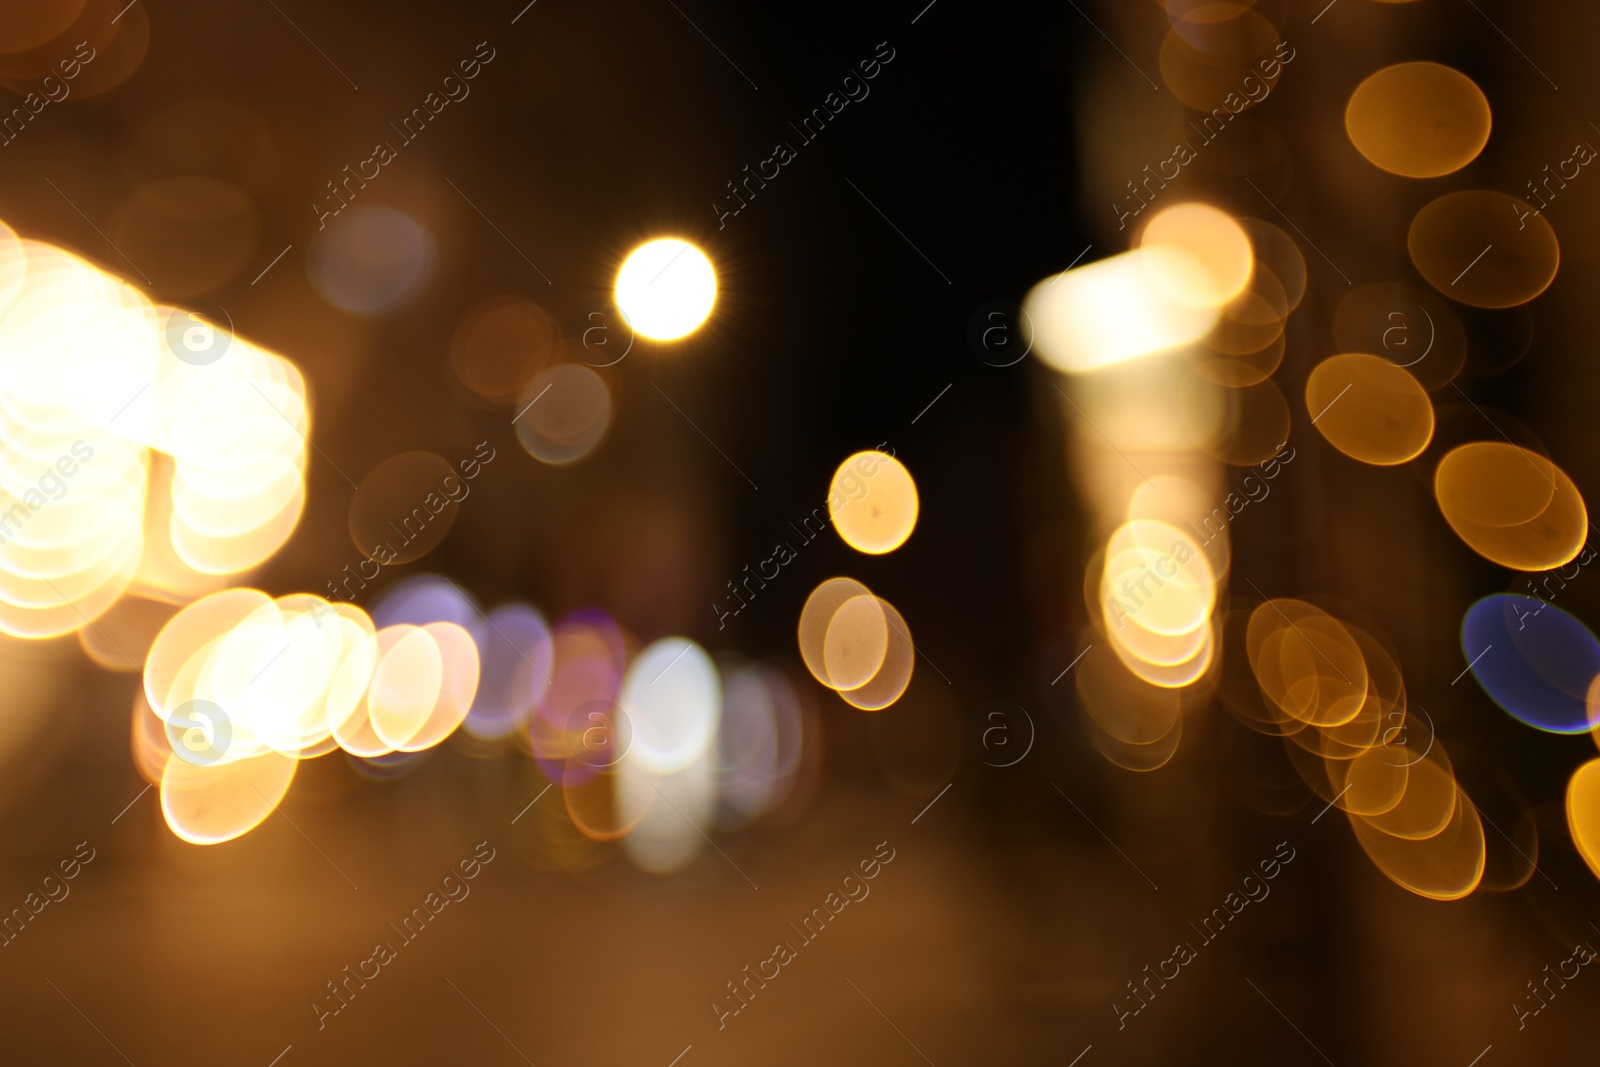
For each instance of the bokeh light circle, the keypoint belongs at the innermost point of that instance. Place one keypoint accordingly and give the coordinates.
(371, 260)
(856, 643)
(500, 344)
(1511, 505)
(405, 506)
(1369, 408)
(672, 698)
(565, 411)
(516, 652)
(892, 675)
(1197, 255)
(873, 502)
(210, 805)
(666, 289)
(1418, 120)
(816, 625)
(1484, 248)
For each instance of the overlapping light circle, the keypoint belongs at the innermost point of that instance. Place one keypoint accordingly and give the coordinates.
(1511, 505)
(856, 644)
(1157, 590)
(140, 446)
(1335, 696)
(238, 677)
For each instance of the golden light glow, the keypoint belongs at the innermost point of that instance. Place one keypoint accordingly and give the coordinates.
(147, 450)
(406, 684)
(188, 635)
(1418, 120)
(1307, 662)
(816, 619)
(1376, 783)
(1109, 312)
(1370, 409)
(1197, 255)
(1446, 865)
(1156, 593)
(1335, 694)
(873, 502)
(1511, 505)
(1427, 805)
(1583, 813)
(458, 684)
(139, 445)
(210, 805)
(1176, 589)
(1179, 498)
(856, 644)
(666, 289)
(237, 677)
(893, 675)
(1484, 248)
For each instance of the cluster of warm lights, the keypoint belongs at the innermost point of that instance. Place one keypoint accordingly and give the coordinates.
(1332, 692)
(615, 726)
(1157, 592)
(1508, 503)
(1173, 344)
(1172, 347)
(852, 641)
(142, 448)
(856, 644)
(1200, 286)
(145, 450)
(510, 351)
(238, 687)
(1335, 694)
(244, 686)
(1193, 261)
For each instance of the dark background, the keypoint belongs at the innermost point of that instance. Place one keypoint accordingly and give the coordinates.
(1009, 921)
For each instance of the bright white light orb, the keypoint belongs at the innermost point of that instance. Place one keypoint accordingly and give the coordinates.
(666, 288)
